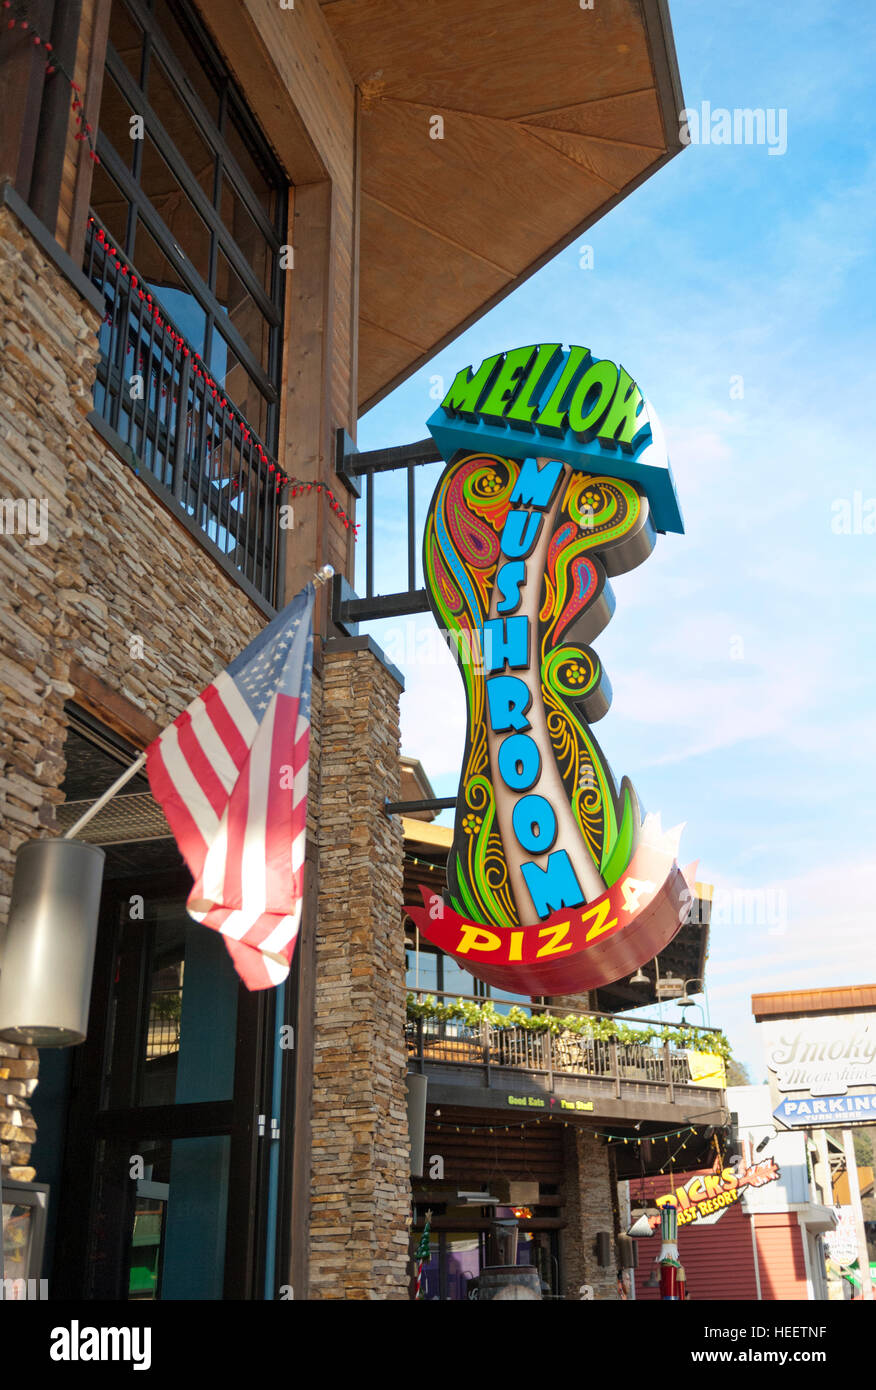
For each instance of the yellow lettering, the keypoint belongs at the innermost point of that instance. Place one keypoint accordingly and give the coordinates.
(515, 950)
(601, 911)
(476, 939)
(556, 934)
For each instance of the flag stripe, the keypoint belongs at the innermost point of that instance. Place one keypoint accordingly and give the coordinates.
(231, 774)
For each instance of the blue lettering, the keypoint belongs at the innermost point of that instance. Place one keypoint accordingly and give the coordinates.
(520, 533)
(519, 762)
(508, 582)
(508, 699)
(506, 639)
(553, 887)
(535, 486)
(535, 823)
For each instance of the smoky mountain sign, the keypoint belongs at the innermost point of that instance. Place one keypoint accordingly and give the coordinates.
(822, 1069)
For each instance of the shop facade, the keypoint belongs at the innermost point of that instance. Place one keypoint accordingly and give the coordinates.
(751, 1226)
(198, 299)
(531, 1129)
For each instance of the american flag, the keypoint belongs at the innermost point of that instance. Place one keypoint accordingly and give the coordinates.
(230, 774)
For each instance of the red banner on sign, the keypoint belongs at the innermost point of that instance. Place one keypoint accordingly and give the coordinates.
(575, 948)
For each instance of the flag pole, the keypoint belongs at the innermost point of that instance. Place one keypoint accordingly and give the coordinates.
(108, 795)
(321, 577)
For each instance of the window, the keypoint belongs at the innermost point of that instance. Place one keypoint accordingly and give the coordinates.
(198, 204)
(431, 971)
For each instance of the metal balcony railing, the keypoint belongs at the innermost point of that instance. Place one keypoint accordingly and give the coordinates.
(157, 397)
(657, 1066)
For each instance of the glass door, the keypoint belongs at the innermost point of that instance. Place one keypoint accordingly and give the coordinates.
(163, 1172)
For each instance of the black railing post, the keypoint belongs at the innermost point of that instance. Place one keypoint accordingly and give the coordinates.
(369, 536)
(179, 443)
(667, 1069)
(412, 530)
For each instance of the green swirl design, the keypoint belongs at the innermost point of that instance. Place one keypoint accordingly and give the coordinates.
(461, 556)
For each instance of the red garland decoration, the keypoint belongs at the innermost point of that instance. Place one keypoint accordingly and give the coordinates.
(299, 486)
(125, 268)
(86, 130)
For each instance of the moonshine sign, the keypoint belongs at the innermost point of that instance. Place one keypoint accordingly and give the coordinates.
(556, 479)
(822, 1069)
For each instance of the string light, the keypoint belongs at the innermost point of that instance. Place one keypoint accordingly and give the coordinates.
(555, 1121)
(199, 367)
(299, 487)
(423, 863)
(53, 66)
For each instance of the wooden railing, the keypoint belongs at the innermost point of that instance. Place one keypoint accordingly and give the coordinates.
(565, 1055)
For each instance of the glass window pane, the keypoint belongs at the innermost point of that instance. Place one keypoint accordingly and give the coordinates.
(126, 37)
(243, 312)
(174, 116)
(193, 1264)
(110, 205)
(422, 970)
(175, 209)
(115, 121)
(238, 142)
(510, 1001)
(189, 55)
(246, 234)
(457, 980)
(187, 1052)
(238, 385)
(161, 1236)
(166, 283)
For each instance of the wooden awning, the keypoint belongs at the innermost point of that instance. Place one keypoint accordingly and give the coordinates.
(552, 113)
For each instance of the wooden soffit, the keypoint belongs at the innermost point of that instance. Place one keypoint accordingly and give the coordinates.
(794, 1002)
(552, 113)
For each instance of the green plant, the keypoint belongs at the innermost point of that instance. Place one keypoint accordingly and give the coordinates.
(472, 1014)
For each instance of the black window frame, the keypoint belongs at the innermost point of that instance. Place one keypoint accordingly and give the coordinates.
(211, 131)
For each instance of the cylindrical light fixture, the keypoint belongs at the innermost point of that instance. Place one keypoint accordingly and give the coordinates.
(417, 1087)
(48, 956)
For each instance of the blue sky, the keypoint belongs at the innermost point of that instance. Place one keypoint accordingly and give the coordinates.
(742, 655)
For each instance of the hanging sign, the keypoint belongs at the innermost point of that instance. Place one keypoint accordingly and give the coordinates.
(822, 1068)
(557, 479)
(705, 1197)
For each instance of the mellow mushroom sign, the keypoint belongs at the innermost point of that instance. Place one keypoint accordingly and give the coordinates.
(557, 478)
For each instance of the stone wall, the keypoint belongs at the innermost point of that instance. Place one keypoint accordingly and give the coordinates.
(588, 1206)
(113, 566)
(360, 1189)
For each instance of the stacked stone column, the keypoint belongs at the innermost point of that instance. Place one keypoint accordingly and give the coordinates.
(587, 1207)
(360, 1186)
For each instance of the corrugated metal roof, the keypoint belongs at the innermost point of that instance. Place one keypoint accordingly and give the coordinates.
(813, 1001)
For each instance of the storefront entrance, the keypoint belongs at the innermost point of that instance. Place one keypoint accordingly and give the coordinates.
(163, 1179)
(458, 1257)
